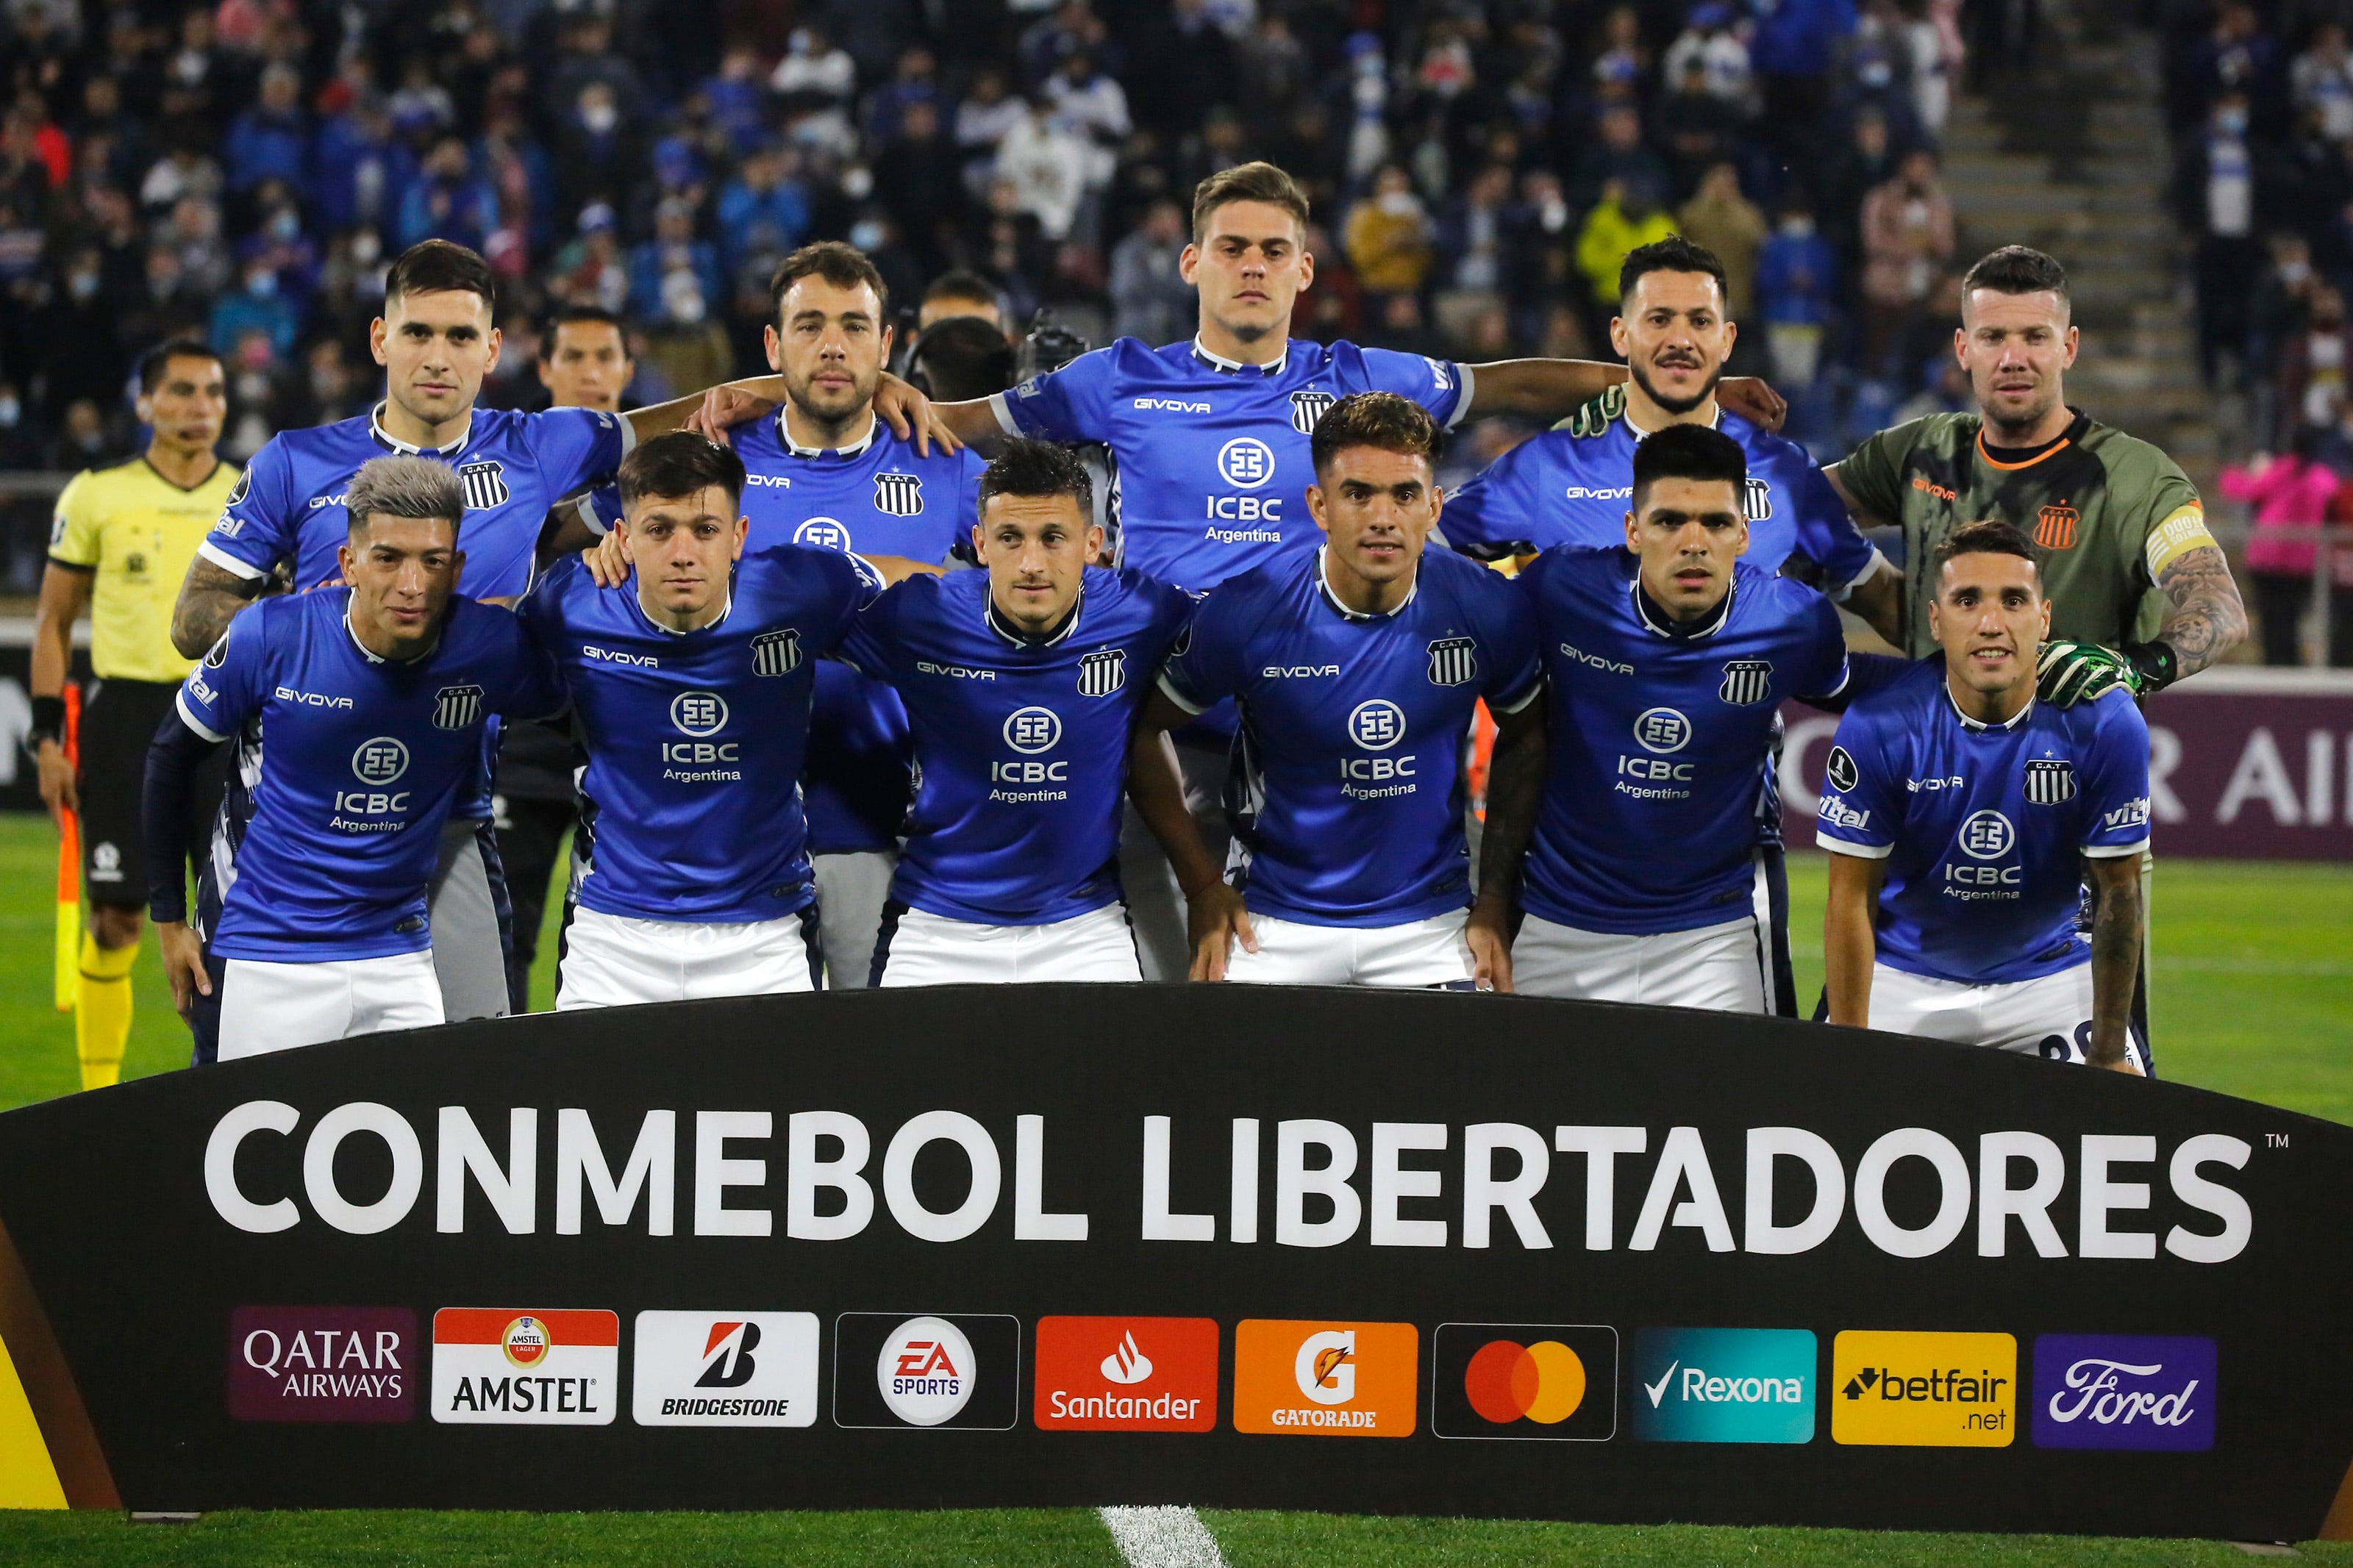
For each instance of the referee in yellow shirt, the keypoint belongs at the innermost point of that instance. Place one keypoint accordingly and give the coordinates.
(120, 546)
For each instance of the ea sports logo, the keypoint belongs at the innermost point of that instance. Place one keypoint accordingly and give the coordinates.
(1987, 836)
(380, 760)
(926, 1372)
(526, 1340)
(1376, 725)
(1246, 462)
(823, 532)
(699, 712)
(1032, 730)
(1325, 1367)
(1662, 730)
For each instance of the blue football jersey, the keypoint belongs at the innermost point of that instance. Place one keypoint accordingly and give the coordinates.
(1982, 824)
(366, 758)
(879, 497)
(1021, 743)
(1659, 739)
(1348, 810)
(288, 505)
(1574, 485)
(691, 805)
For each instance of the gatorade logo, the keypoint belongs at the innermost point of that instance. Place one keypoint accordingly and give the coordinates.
(1304, 1379)
(1525, 1382)
(1924, 1390)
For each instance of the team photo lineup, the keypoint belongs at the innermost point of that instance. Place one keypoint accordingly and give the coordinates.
(1164, 664)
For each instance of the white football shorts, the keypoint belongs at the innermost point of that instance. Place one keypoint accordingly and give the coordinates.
(1429, 952)
(2050, 1018)
(618, 960)
(920, 948)
(1718, 968)
(270, 1006)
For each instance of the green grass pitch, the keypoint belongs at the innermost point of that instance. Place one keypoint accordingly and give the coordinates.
(2254, 996)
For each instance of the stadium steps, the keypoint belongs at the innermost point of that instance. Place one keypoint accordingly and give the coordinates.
(2074, 157)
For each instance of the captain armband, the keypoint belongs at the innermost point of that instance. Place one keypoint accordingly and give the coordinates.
(2183, 531)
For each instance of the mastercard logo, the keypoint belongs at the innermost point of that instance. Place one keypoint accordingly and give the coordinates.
(1507, 1382)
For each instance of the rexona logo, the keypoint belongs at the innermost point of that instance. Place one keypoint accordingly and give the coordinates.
(2124, 1391)
(501, 1366)
(724, 1368)
(1723, 1385)
(1924, 1390)
(1303, 1379)
(1126, 1374)
(1525, 1382)
(323, 1364)
(959, 1371)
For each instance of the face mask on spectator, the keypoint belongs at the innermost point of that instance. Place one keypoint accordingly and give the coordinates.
(11, 411)
(285, 224)
(867, 234)
(367, 248)
(2231, 123)
(599, 116)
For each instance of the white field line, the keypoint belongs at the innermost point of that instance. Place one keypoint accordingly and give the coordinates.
(1162, 1538)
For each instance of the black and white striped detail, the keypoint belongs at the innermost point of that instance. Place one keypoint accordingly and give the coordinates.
(898, 495)
(1757, 499)
(1453, 661)
(486, 484)
(776, 653)
(2050, 781)
(1103, 673)
(1747, 681)
(1307, 408)
(456, 707)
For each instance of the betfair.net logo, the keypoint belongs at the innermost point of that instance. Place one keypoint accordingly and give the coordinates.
(1924, 1389)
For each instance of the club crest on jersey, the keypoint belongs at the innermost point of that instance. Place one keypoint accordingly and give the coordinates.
(1453, 661)
(898, 495)
(1842, 773)
(1747, 681)
(776, 653)
(1103, 673)
(2054, 527)
(1307, 407)
(2050, 781)
(456, 707)
(486, 484)
(1757, 500)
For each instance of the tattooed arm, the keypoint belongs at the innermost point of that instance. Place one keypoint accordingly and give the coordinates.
(2206, 618)
(209, 597)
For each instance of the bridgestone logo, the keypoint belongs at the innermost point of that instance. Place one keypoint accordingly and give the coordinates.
(898, 495)
(776, 653)
(726, 1406)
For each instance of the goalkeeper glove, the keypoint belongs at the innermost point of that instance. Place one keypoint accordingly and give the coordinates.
(2072, 672)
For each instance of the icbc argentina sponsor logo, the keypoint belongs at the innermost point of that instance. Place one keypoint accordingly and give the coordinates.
(958, 1371)
(1126, 1374)
(516, 1366)
(724, 1368)
(323, 1364)
(1297, 1379)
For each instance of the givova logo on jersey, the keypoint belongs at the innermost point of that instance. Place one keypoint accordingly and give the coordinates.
(724, 1368)
(496, 1365)
(776, 653)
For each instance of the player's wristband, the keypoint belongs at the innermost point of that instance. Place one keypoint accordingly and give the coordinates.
(2155, 661)
(48, 723)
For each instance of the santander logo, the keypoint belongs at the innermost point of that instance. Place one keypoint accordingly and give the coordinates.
(1127, 1363)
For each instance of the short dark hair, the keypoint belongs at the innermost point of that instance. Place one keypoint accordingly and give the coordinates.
(962, 358)
(962, 283)
(1259, 182)
(2016, 269)
(843, 266)
(681, 463)
(1381, 419)
(1689, 452)
(1672, 253)
(157, 362)
(1026, 467)
(437, 266)
(1989, 536)
(573, 316)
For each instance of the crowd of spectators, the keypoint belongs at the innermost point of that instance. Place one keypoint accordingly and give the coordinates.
(247, 169)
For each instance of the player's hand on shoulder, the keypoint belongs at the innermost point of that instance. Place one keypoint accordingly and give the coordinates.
(912, 417)
(608, 561)
(1215, 919)
(1488, 931)
(2066, 673)
(724, 406)
(1749, 397)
